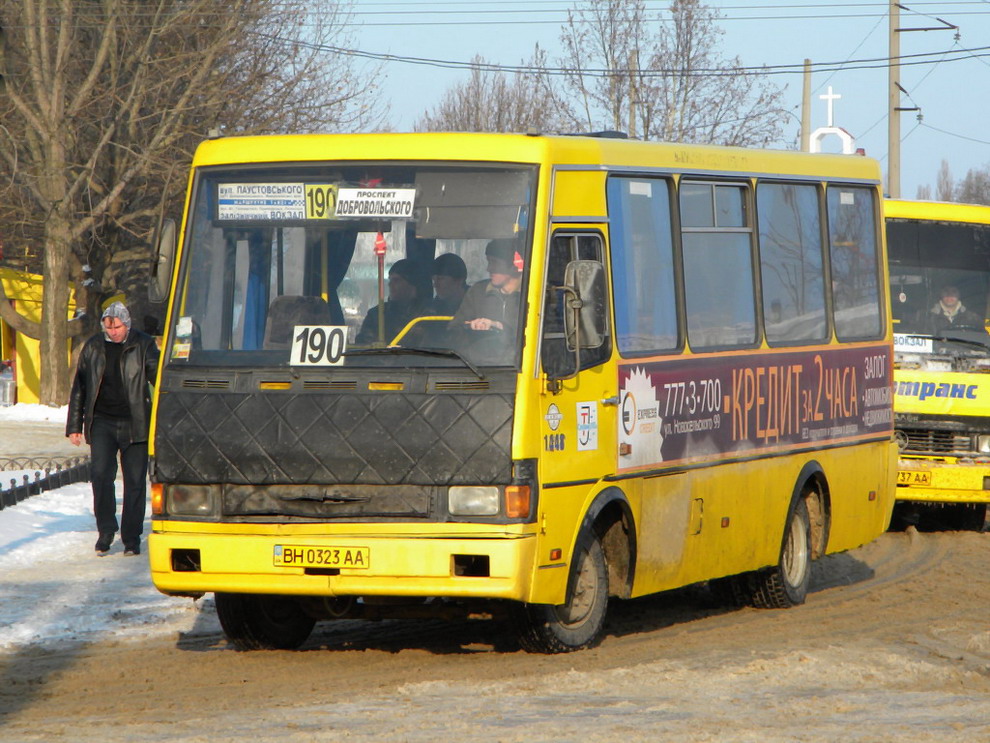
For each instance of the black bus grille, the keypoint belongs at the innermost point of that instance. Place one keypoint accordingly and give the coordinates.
(941, 442)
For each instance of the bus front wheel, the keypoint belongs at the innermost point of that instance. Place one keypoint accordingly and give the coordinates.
(576, 624)
(786, 583)
(253, 622)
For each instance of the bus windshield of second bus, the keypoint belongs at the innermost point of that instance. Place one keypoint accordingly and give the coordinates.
(939, 257)
(940, 279)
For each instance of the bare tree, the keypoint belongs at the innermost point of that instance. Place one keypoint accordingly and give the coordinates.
(601, 42)
(103, 102)
(492, 102)
(944, 186)
(666, 80)
(975, 187)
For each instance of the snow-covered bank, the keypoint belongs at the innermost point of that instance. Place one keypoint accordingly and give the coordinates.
(33, 413)
(53, 587)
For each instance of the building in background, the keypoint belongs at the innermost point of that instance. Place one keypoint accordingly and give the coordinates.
(17, 351)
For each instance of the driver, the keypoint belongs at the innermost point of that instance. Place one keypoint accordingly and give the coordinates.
(492, 304)
(950, 313)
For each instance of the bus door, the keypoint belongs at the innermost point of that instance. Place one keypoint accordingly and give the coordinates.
(580, 400)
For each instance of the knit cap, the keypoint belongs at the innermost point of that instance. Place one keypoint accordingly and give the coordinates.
(118, 310)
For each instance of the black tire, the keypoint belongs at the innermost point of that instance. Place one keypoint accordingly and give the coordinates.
(253, 622)
(786, 583)
(576, 624)
(904, 515)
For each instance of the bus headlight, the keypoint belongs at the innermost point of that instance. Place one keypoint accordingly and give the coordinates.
(473, 500)
(189, 500)
(983, 444)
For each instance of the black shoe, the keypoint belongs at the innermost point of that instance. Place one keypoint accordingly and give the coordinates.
(104, 542)
(131, 551)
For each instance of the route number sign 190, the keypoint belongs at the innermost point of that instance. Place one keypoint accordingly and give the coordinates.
(318, 345)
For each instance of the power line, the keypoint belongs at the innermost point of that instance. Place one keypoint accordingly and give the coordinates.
(953, 134)
(787, 69)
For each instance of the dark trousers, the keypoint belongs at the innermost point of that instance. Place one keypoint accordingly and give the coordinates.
(107, 437)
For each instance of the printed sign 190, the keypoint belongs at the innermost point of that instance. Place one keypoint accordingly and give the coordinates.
(318, 345)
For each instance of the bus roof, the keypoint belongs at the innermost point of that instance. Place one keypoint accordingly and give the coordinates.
(939, 211)
(588, 151)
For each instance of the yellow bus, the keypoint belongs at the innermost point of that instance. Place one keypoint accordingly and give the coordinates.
(673, 365)
(940, 287)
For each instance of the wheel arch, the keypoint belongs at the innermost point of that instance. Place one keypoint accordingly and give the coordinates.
(812, 486)
(610, 518)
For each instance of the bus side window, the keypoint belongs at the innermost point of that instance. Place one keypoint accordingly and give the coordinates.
(715, 226)
(641, 243)
(852, 230)
(791, 262)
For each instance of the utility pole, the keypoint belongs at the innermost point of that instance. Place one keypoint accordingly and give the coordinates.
(894, 103)
(894, 90)
(806, 108)
(633, 72)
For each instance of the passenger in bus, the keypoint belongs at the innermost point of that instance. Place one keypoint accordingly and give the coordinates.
(449, 284)
(490, 309)
(409, 295)
(949, 312)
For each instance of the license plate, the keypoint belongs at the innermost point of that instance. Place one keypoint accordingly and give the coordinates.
(913, 477)
(297, 556)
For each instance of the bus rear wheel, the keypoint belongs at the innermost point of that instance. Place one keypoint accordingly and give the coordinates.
(253, 622)
(786, 583)
(576, 624)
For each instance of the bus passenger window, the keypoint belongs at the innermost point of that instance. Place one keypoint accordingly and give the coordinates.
(718, 265)
(642, 265)
(791, 262)
(852, 228)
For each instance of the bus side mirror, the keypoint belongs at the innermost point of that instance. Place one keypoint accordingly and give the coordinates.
(585, 313)
(161, 266)
(585, 317)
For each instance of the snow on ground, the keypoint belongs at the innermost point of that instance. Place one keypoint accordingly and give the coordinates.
(33, 413)
(53, 586)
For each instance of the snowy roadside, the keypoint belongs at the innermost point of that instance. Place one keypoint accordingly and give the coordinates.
(22, 412)
(53, 587)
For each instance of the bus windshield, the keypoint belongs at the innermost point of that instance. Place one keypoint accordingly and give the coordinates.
(274, 250)
(940, 278)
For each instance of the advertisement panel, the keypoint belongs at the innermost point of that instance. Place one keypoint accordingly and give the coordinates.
(691, 408)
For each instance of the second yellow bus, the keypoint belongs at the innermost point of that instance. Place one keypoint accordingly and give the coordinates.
(940, 288)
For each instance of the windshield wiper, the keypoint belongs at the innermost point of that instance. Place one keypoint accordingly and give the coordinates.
(398, 350)
(963, 341)
(950, 339)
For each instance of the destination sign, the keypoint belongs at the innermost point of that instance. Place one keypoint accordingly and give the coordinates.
(261, 202)
(387, 203)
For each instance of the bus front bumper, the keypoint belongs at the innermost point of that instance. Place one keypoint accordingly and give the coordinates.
(409, 566)
(942, 481)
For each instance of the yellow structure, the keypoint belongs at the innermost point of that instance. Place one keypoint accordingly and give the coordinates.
(25, 290)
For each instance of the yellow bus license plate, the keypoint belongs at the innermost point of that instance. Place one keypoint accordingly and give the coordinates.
(913, 477)
(293, 556)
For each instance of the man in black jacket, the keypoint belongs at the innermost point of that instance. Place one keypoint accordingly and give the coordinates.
(110, 406)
